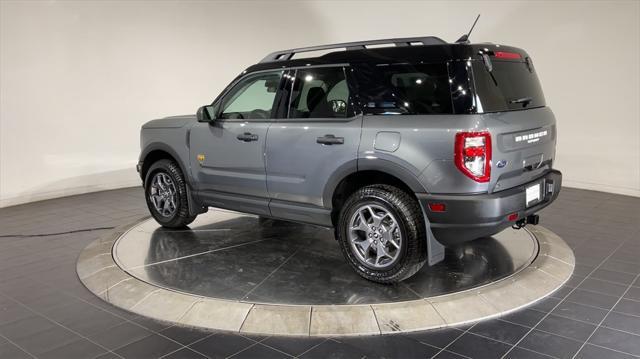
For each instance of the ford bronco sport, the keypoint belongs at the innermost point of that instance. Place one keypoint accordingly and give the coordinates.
(401, 149)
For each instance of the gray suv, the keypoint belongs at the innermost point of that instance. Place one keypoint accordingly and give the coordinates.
(402, 146)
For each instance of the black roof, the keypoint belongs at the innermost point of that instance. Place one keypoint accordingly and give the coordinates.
(430, 53)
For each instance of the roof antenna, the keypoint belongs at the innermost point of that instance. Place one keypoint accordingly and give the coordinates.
(464, 39)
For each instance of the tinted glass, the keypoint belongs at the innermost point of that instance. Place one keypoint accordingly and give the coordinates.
(252, 97)
(513, 86)
(319, 93)
(404, 89)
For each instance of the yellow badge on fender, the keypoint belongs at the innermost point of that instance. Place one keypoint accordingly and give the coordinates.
(200, 158)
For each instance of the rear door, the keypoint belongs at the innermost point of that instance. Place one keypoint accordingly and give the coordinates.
(227, 155)
(317, 137)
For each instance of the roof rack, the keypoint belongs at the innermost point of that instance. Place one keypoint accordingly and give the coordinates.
(284, 55)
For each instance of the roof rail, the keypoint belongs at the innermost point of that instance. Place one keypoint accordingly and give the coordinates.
(284, 55)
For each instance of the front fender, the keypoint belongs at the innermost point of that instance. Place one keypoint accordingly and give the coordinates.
(161, 146)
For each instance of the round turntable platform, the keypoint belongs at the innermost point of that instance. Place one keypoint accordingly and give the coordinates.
(234, 271)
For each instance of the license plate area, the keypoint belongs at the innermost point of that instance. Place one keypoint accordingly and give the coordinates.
(533, 194)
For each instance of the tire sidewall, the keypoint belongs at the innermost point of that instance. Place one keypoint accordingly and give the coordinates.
(158, 167)
(377, 198)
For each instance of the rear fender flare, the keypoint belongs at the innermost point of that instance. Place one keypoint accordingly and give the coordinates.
(435, 250)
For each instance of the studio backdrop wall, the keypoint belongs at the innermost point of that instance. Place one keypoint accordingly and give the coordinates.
(79, 78)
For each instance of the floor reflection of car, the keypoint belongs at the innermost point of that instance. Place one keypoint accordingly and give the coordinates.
(198, 260)
(465, 266)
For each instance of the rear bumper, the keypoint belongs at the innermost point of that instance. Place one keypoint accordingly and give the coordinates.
(468, 217)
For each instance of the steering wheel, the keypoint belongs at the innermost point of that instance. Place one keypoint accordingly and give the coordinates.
(259, 114)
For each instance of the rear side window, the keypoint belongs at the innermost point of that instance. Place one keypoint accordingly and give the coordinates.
(320, 93)
(404, 89)
(511, 85)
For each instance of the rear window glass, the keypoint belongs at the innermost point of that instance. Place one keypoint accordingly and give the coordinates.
(509, 86)
(404, 89)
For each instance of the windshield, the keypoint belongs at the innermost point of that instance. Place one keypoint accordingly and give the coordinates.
(509, 86)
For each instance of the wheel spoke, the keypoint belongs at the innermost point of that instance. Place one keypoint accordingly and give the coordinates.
(377, 219)
(374, 235)
(163, 194)
(381, 253)
(364, 245)
(365, 214)
(362, 226)
(159, 182)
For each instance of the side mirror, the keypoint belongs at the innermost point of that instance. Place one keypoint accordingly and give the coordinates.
(205, 114)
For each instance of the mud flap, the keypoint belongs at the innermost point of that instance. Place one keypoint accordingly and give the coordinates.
(435, 250)
(194, 207)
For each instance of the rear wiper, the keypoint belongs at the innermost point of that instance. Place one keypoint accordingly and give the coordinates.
(489, 67)
(523, 100)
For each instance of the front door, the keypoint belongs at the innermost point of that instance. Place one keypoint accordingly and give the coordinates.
(227, 155)
(318, 138)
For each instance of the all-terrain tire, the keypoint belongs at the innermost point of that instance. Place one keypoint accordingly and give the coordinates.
(405, 208)
(180, 217)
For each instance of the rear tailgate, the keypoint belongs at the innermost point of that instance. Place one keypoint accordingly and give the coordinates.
(524, 145)
(523, 131)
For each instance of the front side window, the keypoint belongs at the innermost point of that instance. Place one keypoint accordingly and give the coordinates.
(252, 98)
(413, 89)
(319, 93)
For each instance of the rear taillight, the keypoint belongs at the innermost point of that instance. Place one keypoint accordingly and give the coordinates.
(507, 55)
(473, 155)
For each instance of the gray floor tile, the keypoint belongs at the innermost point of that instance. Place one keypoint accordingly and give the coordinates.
(13, 352)
(390, 346)
(594, 352)
(594, 299)
(580, 312)
(472, 345)
(120, 335)
(439, 338)
(185, 336)
(566, 327)
(620, 341)
(522, 353)
(333, 349)
(550, 344)
(633, 293)
(152, 346)
(500, 330)
(623, 322)
(292, 346)
(184, 353)
(259, 351)
(611, 276)
(628, 306)
(221, 345)
(526, 317)
(78, 349)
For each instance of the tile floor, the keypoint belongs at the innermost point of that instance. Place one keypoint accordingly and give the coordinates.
(45, 312)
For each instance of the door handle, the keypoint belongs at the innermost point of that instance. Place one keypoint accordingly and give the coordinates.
(330, 140)
(247, 137)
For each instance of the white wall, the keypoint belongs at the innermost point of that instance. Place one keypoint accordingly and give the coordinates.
(77, 79)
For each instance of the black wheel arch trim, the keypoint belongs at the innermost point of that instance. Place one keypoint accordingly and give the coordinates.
(380, 165)
(160, 146)
(435, 250)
